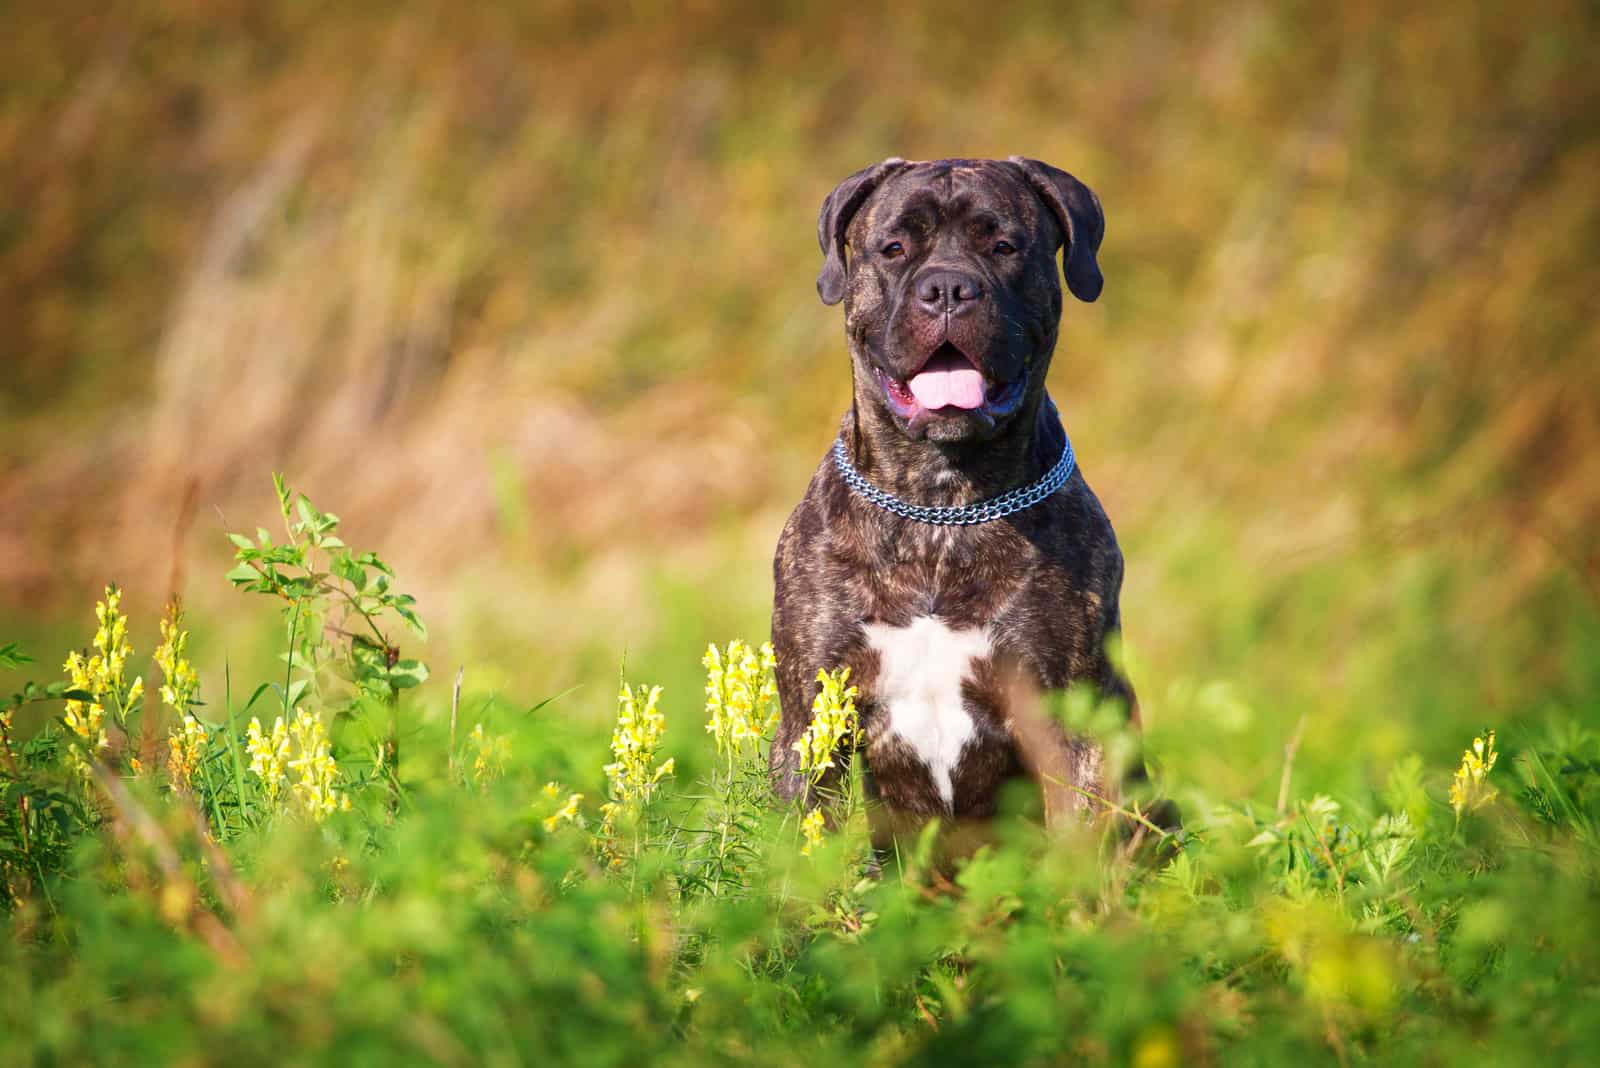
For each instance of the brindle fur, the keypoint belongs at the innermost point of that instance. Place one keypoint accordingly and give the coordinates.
(1044, 581)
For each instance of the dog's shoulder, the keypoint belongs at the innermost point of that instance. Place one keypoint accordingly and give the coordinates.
(805, 532)
(819, 558)
(1088, 517)
(1074, 534)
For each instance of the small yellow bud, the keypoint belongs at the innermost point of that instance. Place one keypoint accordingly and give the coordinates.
(811, 828)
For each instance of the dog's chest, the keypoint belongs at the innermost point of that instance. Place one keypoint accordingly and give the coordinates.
(923, 670)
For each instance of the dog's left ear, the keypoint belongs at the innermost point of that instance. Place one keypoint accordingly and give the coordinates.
(838, 208)
(1078, 211)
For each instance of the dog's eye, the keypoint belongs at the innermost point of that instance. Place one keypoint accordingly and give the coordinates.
(893, 250)
(1004, 248)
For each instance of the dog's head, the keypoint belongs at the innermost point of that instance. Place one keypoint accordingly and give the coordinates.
(947, 272)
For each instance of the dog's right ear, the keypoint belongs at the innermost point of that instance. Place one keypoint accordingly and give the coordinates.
(838, 208)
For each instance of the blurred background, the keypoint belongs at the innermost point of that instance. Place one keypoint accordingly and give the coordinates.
(524, 293)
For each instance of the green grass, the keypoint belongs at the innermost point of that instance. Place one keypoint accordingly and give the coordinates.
(1329, 903)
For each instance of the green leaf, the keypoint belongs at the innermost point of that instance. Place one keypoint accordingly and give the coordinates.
(413, 620)
(552, 698)
(296, 658)
(301, 588)
(12, 656)
(349, 570)
(370, 559)
(255, 696)
(369, 659)
(241, 541)
(242, 574)
(297, 690)
(408, 673)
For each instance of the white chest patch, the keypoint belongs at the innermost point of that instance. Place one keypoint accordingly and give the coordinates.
(920, 671)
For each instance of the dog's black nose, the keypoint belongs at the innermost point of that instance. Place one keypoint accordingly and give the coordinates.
(948, 292)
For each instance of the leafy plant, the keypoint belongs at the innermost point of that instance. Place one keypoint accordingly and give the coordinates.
(265, 897)
(340, 611)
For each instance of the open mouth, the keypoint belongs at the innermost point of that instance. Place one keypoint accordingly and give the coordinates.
(947, 380)
(947, 384)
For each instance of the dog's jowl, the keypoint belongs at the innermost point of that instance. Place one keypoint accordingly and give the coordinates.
(948, 550)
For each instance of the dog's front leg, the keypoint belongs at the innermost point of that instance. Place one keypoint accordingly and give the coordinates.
(1070, 771)
(783, 762)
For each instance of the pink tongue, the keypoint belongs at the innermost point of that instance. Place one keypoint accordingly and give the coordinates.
(959, 387)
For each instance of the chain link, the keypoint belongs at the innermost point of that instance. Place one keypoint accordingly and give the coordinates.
(964, 515)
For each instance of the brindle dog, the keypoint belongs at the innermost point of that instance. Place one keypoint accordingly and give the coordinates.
(948, 276)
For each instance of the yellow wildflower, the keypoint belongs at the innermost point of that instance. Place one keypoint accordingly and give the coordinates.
(86, 718)
(269, 755)
(606, 839)
(179, 683)
(187, 747)
(5, 737)
(1157, 1048)
(811, 829)
(634, 774)
(741, 692)
(493, 752)
(314, 768)
(111, 642)
(567, 813)
(833, 717)
(102, 676)
(1470, 788)
(87, 724)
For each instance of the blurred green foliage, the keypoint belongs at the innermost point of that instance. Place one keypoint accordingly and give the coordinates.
(460, 912)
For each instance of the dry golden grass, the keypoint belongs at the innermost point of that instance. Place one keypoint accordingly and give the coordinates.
(530, 294)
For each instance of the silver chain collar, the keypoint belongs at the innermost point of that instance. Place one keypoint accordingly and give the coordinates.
(966, 514)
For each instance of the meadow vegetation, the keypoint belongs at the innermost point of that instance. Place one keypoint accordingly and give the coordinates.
(525, 295)
(317, 886)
